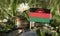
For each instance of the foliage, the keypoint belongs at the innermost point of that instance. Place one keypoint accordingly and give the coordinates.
(8, 10)
(42, 32)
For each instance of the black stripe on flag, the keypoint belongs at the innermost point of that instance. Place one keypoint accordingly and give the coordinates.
(35, 9)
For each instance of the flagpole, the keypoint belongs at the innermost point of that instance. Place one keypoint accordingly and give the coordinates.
(32, 24)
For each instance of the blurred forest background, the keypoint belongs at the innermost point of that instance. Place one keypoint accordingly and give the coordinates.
(8, 8)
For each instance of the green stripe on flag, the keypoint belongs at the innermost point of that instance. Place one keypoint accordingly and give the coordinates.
(39, 20)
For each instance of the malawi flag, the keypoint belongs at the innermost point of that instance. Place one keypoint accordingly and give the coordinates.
(39, 15)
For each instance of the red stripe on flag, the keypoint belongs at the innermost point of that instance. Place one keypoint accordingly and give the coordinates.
(39, 15)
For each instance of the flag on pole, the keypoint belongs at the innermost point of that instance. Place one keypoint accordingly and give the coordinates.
(39, 15)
